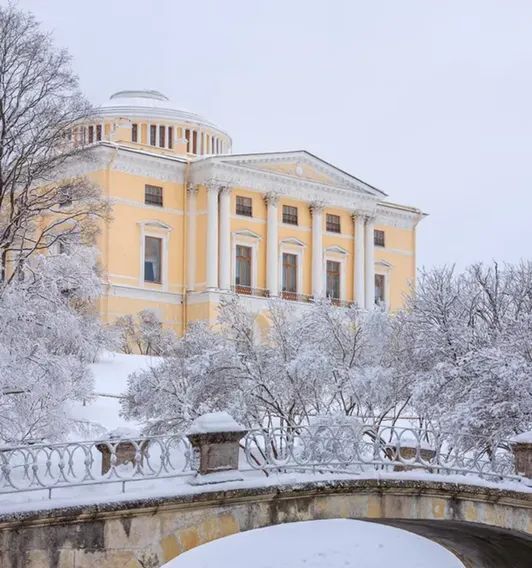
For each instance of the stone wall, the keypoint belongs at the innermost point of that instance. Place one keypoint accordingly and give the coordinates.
(148, 533)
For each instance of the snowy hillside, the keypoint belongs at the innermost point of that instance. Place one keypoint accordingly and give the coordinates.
(110, 381)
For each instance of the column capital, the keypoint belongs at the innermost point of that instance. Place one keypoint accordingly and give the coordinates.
(366, 216)
(192, 188)
(213, 185)
(271, 198)
(225, 189)
(316, 207)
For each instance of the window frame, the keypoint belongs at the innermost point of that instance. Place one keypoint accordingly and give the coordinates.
(291, 218)
(248, 260)
(135, 132)
(382, 301)
(293, 267)
(161, 251)
(333, 227)
(242, 209)
(339, 275)
(377, 241)
(156, 202)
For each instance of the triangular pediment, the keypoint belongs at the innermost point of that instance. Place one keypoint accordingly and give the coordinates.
(301, 165)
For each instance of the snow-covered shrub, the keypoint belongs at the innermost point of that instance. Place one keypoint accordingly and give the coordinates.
(144, 333)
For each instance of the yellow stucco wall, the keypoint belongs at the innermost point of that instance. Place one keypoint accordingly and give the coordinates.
(121, 246)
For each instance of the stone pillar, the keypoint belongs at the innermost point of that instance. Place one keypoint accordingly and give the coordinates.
(272, 245)
(416, 452)
(522, 449)
(358, 264)
(212, 237)
(192, 191)
(216, 438)
(122, 447)
(225, 238)
(316, 210)
(369, 262)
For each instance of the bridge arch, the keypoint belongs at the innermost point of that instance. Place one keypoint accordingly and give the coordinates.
(482, 526)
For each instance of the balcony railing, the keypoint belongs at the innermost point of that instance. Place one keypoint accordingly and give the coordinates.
(249, 291)
(295, 297)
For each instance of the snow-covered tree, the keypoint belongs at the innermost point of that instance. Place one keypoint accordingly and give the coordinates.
(41, 199)
(318, 362)
(48, 334)
(468, 339)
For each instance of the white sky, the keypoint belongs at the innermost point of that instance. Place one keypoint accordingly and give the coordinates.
(428, 100)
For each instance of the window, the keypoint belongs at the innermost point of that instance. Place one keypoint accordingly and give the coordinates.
(289, 215)
(189, 141)
(153, 134)
(134, 133)
(152, 259)
(333, 223)
(244, 206)
(333, 279)
(243, 266)
(378, 238)
(380, 289)
(290, 273)
(98, 132)
(162, 137)
(153, 195)
(194, 142)
(170, 137)
(91, 134)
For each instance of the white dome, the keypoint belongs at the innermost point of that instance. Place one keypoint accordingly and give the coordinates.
(149, 104)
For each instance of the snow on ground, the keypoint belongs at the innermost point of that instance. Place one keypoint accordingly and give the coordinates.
(337, 543)
(110, 381)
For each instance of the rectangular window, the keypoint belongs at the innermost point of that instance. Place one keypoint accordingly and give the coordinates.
(152, 259)
(162, 137)
(153, 195)
(189, 141)
(290, 273)
(243, 266)
(380, 289)
(153, 134)
(98, 132)
(289, 215)
(333, 279)
(134, 133)
(91, 134)
(244, 206)
(170, 137)
(194, 142)
(378, 238)
(333, 223)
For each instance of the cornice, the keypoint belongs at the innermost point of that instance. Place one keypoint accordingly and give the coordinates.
(219, 172)
(399, 217)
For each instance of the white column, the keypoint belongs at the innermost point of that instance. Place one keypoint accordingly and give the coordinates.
(191, 236)
(272, 240)
(316, 211)
(358, 264)
(369, 263)
(225, 238)
(212, 237)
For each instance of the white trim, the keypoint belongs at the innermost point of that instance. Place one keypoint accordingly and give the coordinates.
(145, 294)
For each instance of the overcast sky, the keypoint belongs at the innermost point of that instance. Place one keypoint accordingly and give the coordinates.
(428, 100)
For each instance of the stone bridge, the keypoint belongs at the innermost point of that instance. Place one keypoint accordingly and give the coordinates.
(482, 526)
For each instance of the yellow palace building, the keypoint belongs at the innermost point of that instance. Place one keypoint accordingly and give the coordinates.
(192, 222)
